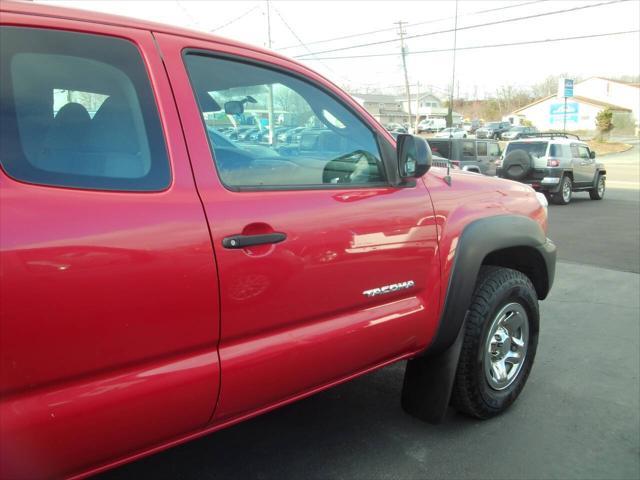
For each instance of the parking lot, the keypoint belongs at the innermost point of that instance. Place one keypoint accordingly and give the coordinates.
(579, 416)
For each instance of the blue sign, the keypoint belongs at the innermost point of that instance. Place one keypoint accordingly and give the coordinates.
(557, 112)
(568, 87)
(565, 87)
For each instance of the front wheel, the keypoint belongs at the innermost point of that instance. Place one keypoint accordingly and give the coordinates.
(597, 193)
(563, 197)
(499, 345)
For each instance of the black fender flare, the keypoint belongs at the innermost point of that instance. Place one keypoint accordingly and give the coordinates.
(429, 377)
(599, 171)
(478, 239)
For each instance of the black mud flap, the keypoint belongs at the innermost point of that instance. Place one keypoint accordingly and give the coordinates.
(428, 382)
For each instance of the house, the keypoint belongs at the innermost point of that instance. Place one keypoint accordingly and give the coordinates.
(385, 108)
(429, 106)
(591, 97)
(626, 95)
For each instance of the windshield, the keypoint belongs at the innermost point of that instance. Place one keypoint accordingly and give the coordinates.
(535, 149)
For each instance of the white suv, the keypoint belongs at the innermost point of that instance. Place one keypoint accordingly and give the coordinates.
(556, 164)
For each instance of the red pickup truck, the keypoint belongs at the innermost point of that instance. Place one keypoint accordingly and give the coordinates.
(165, 274)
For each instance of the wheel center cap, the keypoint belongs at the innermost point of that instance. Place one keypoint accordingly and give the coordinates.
(501, 343)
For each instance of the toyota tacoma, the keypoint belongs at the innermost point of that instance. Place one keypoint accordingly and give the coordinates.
(161, 280)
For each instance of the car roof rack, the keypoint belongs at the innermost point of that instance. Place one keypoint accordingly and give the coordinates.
(550, 135)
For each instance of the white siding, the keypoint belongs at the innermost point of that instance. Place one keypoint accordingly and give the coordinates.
(615, 93)
(542, 117)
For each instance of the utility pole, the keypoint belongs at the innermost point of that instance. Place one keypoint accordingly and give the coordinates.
(453, 74)
(272, 137)
(403, 52)
(415, 127)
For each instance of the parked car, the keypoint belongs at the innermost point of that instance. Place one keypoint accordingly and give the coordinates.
(431, 125)
(451, 133)
(161, 282)
(517, 132)
(556, 164)
(442, 162)
(474, 155)
(475, 125)
(493, 130)
(288, 135)
(395, 128)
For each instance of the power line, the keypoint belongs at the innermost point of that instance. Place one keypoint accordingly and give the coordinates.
(371, 32)
(469, 27)
(495, 45)
(286, 24)
(239, 17)
(191, 18)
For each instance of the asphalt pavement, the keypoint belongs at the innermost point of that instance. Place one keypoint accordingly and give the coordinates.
(577, 418)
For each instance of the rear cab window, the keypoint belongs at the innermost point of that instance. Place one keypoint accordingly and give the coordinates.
(78, 111)
(441, 148)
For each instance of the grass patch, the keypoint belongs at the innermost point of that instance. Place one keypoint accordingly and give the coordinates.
(605, 148)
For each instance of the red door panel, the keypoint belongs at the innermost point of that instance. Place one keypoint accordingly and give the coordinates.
(109, 308)
(294, 316)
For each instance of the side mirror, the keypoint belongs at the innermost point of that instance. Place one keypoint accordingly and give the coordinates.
(414, 156)
(234, 107)
(592, 154)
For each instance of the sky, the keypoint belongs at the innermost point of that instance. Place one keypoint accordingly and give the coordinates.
(479, 72)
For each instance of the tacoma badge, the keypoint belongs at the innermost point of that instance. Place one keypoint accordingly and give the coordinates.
(394, 287)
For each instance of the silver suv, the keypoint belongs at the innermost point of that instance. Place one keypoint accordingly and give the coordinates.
(555, 164)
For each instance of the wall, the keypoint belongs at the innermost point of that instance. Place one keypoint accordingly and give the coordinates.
(611, 92)
(547, 115)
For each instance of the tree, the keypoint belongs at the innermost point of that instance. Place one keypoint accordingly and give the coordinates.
(604, 123)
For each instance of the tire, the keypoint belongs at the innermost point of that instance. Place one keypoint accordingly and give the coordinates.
(477, 391)
(597, 193)
(563, 197)
(517, 165)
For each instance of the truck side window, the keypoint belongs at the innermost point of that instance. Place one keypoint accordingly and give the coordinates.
(78, 111)
(269, 129)
(584, 152)
(482, 149)
(575, 153)
(468, 149)
(494, 150)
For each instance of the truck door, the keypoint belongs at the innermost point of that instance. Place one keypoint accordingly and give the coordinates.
(109, 306)
(482, 155)
(587, 166)
(493, 155)
(326, 270)
(583, 169)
